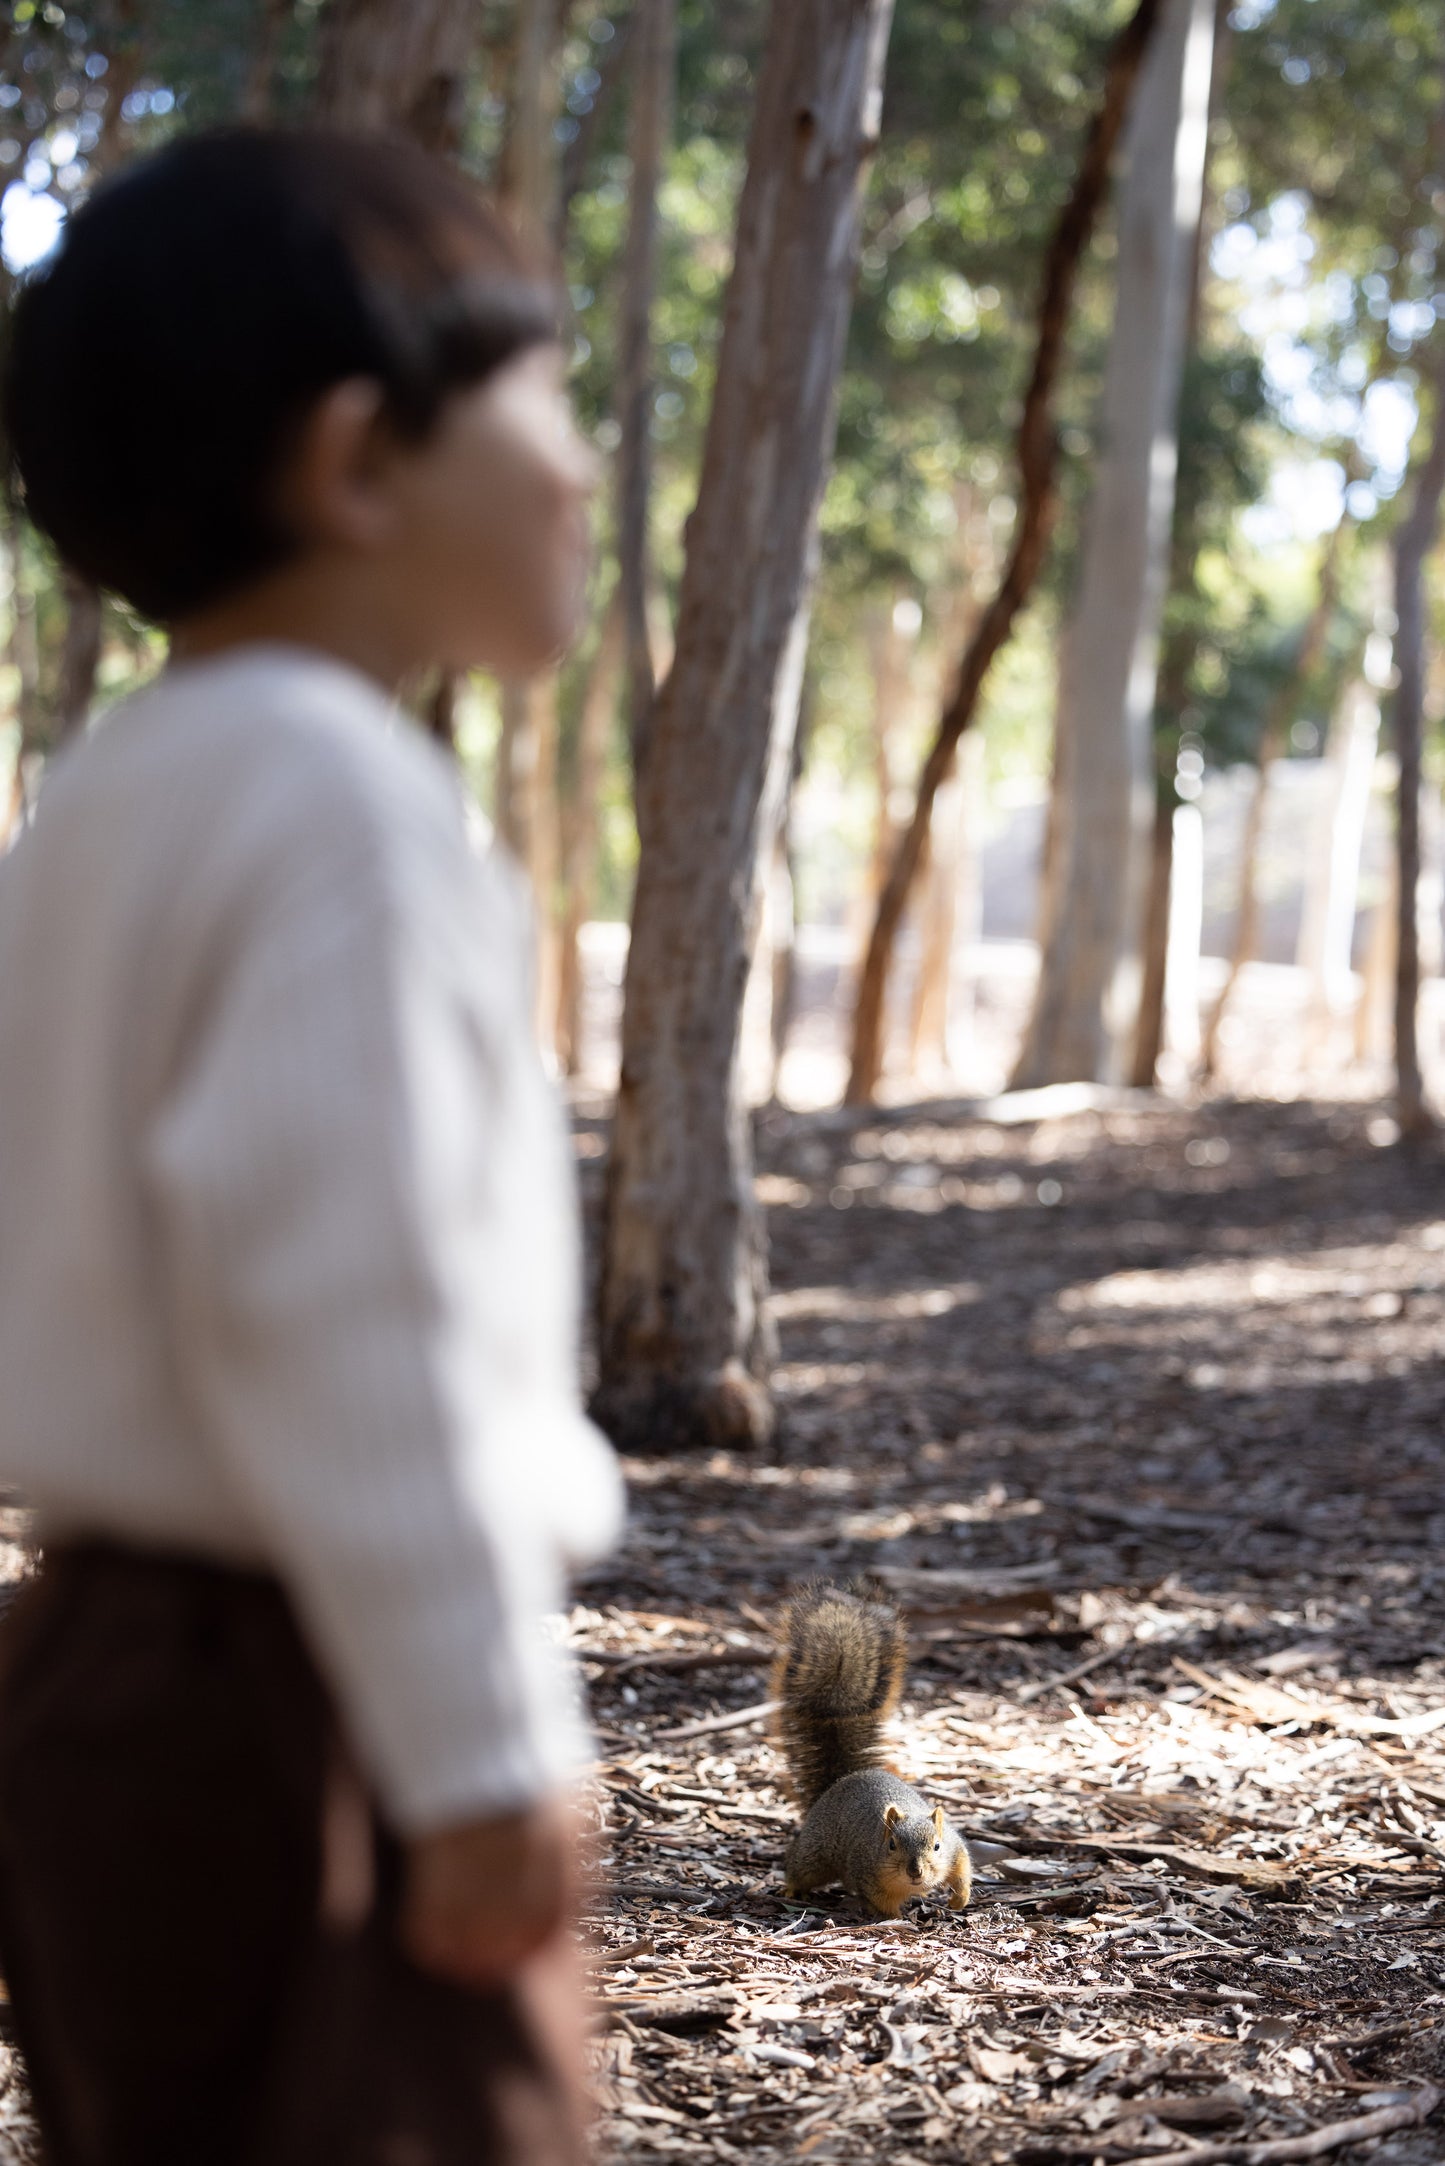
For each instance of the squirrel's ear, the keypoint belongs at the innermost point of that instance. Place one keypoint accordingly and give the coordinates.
(891, 1816)
(938, 1821)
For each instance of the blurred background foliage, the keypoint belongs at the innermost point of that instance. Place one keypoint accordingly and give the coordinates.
(1319, 283)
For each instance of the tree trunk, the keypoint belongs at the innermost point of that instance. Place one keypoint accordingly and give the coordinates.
(1149, 1034)
(889, 660)
(127, 56)
(526, 808)
(1273, 737)
(439, 713)
(1375, 1009)
(526, 778)
(576, 157)
(81, 643)
(684, 1339)
(783, 898)
(928, 1029)
(79, 656)
(1037, 460)
(1332, 888)
(24, 642)
(654, 64)
(530, 174)
(950, 873)
(1085, 997)
(398, 64)
(1177, 661)
(581, 823)
(1414, 539)
(259, 96)
(1245, 938)
(1186, 930)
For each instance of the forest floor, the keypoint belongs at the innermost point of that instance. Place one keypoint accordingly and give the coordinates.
(1138, 1412)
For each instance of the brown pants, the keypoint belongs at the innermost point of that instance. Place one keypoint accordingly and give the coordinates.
(168, 1777)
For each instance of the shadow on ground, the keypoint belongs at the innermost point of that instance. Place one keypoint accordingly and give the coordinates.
(1138, 1413)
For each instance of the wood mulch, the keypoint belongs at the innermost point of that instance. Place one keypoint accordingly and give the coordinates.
(1138, 1412)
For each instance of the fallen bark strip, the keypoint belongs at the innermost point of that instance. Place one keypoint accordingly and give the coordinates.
(1362, 2041)
(1267, 1703)
(1410, 2113)
(1206, 1864)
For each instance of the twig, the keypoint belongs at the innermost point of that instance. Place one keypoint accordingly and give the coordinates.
(1334, 2134)
(611, 1958)
(1067, 1677)
(707, 1658)
(737, 1720)
(1416, 1846)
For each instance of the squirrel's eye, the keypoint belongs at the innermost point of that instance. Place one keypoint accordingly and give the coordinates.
(891, 1844)
(938, 1846)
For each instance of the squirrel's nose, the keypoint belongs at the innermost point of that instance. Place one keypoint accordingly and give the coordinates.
(915, 1871)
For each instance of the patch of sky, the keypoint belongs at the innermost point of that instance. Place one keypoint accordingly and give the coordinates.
(1303, 500)
(1280, 302)
(30, 224)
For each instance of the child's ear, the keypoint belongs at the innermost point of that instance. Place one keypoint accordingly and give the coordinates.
(938, 1819)
(334, 486)
(891, 1817)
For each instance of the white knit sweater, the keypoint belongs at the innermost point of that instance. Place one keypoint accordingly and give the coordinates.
(288, 1259)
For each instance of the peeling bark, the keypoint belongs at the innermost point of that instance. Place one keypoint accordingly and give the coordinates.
(684, 1338)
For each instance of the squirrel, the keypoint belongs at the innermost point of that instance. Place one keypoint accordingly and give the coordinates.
(838, 1679)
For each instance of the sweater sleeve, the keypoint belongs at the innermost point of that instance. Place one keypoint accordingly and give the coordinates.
(366, 1220)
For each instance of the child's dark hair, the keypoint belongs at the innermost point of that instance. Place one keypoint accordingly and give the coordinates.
(158, 365)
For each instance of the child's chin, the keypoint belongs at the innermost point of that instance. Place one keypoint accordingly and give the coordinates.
(518, 658)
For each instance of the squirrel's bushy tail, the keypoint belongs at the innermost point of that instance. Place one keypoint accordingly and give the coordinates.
(838, 1678)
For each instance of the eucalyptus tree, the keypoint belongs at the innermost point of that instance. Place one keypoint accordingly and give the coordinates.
(683, 1340)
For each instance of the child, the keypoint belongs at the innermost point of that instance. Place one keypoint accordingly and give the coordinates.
(287, 1255)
